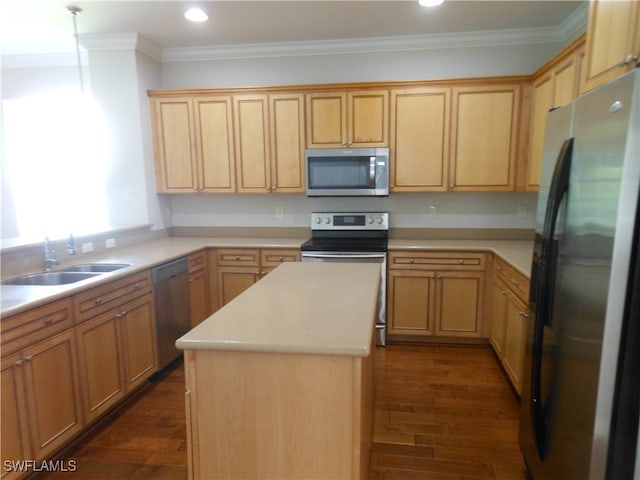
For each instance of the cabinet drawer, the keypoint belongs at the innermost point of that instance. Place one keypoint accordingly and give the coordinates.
(238, 257)
(197, 261)
(273, 258)
(100, 299)
(520, 285)
(437, 260)
(34, 325)
(513, 279)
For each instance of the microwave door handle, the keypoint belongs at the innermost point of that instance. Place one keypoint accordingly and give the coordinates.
(372, 172)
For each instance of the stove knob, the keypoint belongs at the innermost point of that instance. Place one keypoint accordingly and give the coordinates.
(379, 220)
(370, 220)
(318, 220)
(327, 220)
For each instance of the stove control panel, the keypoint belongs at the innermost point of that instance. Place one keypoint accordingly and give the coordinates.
(350, 221)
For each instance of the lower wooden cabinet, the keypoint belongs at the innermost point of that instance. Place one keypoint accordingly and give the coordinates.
(198, 287)
(238, 269)
(116, 353)
(40, 386)
(435, 294)
(509, 320)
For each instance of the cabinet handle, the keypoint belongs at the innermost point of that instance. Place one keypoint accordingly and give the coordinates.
(28, 358)
(48, 321)
(18, 363)
(627, 60)
(237, 257)
(280, 259)
(460, 262)
(118, 315)
(451, 186)
(191, 280)
(500, 269)
(503, 292)
(412, 260)
(136, 285)
(98, 301)
(516, 283)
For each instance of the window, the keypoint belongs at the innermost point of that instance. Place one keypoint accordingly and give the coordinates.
(56, 164)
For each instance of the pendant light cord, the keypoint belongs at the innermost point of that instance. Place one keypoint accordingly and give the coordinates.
(74, 11)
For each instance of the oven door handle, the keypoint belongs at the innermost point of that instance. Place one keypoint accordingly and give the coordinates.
(346, 255)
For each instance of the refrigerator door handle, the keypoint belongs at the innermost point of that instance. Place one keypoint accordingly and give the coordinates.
(545, 285)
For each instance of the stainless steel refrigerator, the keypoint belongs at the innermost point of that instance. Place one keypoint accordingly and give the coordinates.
(581, 392)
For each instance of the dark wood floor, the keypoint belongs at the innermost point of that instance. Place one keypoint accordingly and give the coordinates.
(441, 413)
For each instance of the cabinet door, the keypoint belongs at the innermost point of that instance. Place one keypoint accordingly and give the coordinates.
(13, 416)
(613, 40)
(175, 154)
(542, 102)
(515, 340)
(410, 302)
(100, 361)
(287, 143)
(326, 120)
(484, 137)
(53, 393)
(138, 341)
(214, 144)
(459, 303)
(420, 139)
(566, 80)
(198, 297)
(251, 133)
(498, 317)
(368, 118)
(232, 281)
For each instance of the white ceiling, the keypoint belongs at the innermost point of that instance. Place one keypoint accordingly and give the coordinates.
(45, 26)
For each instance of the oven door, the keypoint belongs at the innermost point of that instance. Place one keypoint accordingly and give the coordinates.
(361, 257)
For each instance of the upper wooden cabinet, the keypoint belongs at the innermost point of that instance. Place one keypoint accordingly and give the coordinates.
(250, 143)
(193, 140)
(348, 119)
(484, 135)
(420, 139)
(613, 40)
(287, 142)
(251, 133)
(554, 85)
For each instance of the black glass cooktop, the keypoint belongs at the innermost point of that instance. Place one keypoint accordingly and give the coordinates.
(349, 244)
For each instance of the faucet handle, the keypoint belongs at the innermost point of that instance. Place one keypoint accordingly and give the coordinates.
(71, 245)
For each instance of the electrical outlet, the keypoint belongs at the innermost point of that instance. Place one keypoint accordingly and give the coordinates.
(110, 243)
(87, 247)
(433, 211)
(279, 212)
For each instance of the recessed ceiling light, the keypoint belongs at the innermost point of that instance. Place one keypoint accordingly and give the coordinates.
(196, 15)
(430, 3)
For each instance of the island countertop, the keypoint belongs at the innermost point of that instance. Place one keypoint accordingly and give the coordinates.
(309, 308)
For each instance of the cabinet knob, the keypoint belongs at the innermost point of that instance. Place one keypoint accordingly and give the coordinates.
(98, 301)
(451, 186)
(136, 285)
(628, 60)
(280, 259)
(503, 292)
(412, 260)
(460, 262)
(191, 280)
(48, 321)
(28, 358)
(516, 283)
(18, 363)
(237, 257)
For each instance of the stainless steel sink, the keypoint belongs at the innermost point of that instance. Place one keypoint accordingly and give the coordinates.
(50, 278)
(96, 267)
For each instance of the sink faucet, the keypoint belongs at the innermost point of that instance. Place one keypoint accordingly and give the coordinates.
(49, 255)
(71, 245)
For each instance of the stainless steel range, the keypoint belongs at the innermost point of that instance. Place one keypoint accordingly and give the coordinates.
(352, 237)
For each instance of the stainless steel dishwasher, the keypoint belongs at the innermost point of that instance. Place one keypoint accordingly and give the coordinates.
(173, 310)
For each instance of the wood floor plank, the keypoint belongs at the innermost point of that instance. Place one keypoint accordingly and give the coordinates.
(441, 413)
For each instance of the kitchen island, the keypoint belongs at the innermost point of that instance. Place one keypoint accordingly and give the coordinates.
(279, 382)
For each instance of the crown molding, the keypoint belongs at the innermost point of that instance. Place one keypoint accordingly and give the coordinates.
(568, 30)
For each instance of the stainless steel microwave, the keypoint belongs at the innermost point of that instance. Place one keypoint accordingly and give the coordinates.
(347, 172)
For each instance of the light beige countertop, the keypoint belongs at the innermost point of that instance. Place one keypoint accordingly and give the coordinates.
(515, 252)
(17, 298)
(309, 308)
